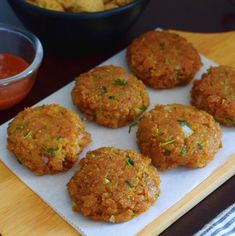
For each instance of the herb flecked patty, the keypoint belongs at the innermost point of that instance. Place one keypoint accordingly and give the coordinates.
(178, 135)
(114, 185)
(162, 59)
(110, 96)
(215, 93)
(47, 139)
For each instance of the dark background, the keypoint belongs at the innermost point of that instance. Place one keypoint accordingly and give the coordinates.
(195, 16)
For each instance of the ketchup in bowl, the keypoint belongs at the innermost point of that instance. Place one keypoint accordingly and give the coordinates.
(11, 65)
(12, 93)
(21, 55)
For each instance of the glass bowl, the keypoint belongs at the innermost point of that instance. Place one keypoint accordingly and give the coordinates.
(25, 45)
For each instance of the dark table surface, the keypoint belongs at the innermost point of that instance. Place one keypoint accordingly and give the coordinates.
(195, 16)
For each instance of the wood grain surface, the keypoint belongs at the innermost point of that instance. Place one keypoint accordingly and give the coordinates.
(22, 212)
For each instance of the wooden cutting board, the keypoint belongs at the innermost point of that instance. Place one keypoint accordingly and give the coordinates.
(22, 212)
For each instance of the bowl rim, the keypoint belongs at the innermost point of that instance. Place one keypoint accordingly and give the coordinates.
(85, 14)
(37, 58)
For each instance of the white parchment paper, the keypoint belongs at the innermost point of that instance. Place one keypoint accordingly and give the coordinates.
(174, 183)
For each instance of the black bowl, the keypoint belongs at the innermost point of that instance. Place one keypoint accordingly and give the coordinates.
(77, 30)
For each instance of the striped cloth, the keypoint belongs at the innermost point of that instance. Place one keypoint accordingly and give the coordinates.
(222, 225)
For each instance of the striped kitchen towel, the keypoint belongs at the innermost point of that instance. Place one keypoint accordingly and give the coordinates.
(222, 225)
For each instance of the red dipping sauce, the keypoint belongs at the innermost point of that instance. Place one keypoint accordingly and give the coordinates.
(11, 65)
(12, 92)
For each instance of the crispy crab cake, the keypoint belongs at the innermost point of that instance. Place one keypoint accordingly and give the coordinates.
(47, 139)
(178, 135)
(215, 93)
(162, 59)
(110, 96)
(114, 185)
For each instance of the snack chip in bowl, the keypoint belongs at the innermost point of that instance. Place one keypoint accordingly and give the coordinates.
(79, 5)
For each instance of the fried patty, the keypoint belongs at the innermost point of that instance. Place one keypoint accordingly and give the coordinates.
(110, 96)
(47, 139)
(113, 185)
(162, 59)
(178, 135)
(215, 93)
